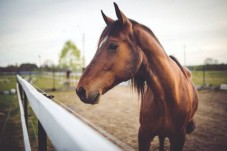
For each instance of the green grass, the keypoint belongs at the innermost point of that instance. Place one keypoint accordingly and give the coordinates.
(10, 128)
(211, 77)
(12, 136)
(7, 82)
(46, 82)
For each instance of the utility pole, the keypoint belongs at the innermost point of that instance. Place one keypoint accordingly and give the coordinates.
(83, 44)
(39, 66)
(204, 74)
(53, 77)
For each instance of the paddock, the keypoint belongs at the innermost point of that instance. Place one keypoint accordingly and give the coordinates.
(118, 113)
(120, 119)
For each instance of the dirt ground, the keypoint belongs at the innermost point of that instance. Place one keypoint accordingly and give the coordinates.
(118, 114)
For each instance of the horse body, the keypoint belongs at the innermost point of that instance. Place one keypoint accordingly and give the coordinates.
(169, 100)
(129, 50)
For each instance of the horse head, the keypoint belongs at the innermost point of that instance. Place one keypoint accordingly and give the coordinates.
(117, 59)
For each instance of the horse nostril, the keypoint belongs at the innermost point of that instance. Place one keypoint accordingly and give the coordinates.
(81, 92)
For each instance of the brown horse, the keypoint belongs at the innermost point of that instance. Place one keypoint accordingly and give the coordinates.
(129, 50)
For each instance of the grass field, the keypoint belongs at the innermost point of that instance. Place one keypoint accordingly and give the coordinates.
(10, 126)
(211, 77)
(44, 82)
(11, 138)
(7, 82)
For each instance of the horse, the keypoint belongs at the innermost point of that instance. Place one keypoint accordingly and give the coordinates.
(128, 50)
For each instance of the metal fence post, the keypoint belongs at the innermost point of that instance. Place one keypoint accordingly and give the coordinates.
(42, 138)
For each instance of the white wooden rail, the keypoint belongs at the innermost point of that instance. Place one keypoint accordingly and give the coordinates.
(66, 132)
(27, 146)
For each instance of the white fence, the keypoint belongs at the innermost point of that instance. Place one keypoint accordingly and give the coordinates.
(65, 131)
(23, 123)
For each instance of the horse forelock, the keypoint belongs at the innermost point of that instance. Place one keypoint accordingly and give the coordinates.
(112, 29)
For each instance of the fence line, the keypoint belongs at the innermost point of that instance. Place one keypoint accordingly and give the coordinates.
(27, 145)
(65, 131)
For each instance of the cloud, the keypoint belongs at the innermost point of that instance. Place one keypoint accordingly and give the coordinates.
(33, 28)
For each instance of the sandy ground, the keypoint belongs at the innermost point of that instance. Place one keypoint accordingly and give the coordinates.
(118, 114)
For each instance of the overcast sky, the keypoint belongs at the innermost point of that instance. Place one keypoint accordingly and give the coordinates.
(33, 28)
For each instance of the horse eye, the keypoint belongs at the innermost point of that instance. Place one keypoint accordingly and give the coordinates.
(112, 46)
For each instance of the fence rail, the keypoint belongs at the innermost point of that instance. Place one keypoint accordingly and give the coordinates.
(27, 145)
(65, 131)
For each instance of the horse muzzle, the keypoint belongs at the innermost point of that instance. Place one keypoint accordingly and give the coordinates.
(88, 98)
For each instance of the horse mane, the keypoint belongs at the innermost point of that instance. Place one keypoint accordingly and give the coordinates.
(179, 65)
(149, 31)
(138, 82)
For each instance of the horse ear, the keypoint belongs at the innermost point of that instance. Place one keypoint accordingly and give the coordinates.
(107, 19)
(120, 15)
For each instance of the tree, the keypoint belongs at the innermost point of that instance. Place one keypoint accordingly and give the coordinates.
(209, 61)
(70, 57)
(28, 67)
(48, 65)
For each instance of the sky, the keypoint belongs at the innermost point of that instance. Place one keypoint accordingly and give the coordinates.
(34, 31)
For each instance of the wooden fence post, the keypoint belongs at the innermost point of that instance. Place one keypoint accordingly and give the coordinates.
(20, 89)
(42, 138)
(25, 100)
(25, 103)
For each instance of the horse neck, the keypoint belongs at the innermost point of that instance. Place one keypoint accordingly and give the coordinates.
(155, 68)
